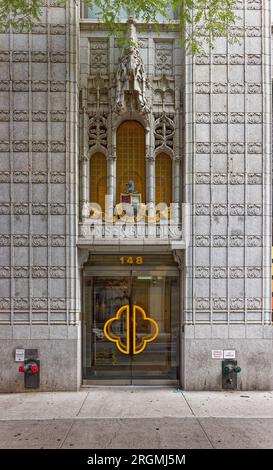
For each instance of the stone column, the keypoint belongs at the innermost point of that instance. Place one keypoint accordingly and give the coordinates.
(176, 187)
(111, 180)
(84, 188)
(150, 170)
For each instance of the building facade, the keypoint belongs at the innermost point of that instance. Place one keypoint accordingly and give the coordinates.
(135, 242)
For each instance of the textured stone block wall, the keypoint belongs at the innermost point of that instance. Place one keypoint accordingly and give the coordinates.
(228, 182)
(38, 170)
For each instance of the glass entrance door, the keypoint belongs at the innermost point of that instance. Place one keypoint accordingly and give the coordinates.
(130, 333)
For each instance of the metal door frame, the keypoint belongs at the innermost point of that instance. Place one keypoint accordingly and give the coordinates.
(128, 271)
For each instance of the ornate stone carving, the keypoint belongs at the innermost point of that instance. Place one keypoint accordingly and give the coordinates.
(4, 177)
(164, 57)
(220, 303)
(57, 240)
(98, 56)
(202, 209)
(38, 303)
(254, 209)
(237, 209)
(20, 271)
(21, 303)
(254, 59)
(219, 209)
(202, 303)
(131, 80)
(57, 303)
(203, 118)
(20, 115)
(219, 240)
(255, 147)
(57, 272)
(219, 59)
(220, 147)
(202, 59)
(4, 303)
(40, 116)
(39, 271)
(21, 208)
(20, 177)
(219, 272)
(254, 118)
(254, 178)
(254, 303)
(220, 178)
(202, 88)
(202, 178)
(237, 118)
(254, 88)
(97, 131)
(57, 177)
(39, 209)
(164, 132)
(237, 178)
(254, 240)
(237, 147)
(202, 147)
(237, 272)
(219, 87)
(254, 272)
(202, 240)
(4, 115)
(39, 240)
(220, 118)
(201, 272)
(20, 240)
(4, 240)
(236, 88)
(236, 240)
(4, 271)
(237, 303)
(39, 177)
(57, 209)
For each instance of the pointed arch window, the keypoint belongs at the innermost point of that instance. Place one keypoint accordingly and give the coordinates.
(131, 157)
(163, 179)
(98, 179)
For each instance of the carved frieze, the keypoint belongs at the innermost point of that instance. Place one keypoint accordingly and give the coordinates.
(4, 115)
(254, 240)
(219, 240)
(202, 209)
(201, 272)
(57, 240)
(254, 272)
(254, 209)
(4, 240)
(236, 272)
(202, 240)
(38, 303)
(237, 303)
(39, 271)
(219, 272)
(20, 240)
(254, 303)
(21, 271)
(163, 57)
(39, 240)
(219, 209)
(220, 303)
(202, 303)
(4, 271)
(236, 240)
(57, 303)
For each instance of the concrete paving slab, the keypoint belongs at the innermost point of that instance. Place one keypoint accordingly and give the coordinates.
(243, 433)
(45, 434)
(44, 405)
(134, 402)
(134, 433)
(226, 404)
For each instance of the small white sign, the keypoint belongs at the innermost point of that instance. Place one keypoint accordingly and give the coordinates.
(217, 353)
(229, 354)
(19, 355)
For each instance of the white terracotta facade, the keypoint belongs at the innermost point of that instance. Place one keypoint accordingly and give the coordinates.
(62, 79)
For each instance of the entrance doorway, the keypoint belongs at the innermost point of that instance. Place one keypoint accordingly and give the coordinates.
(130, 324)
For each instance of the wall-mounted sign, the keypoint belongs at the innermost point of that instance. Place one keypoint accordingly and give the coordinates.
(19, 355)
(131, 260)
(229, 354)
(217, 353)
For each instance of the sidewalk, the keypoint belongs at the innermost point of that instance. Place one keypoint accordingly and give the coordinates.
(136, 417)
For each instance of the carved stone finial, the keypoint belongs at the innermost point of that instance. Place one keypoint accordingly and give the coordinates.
(131, 78)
